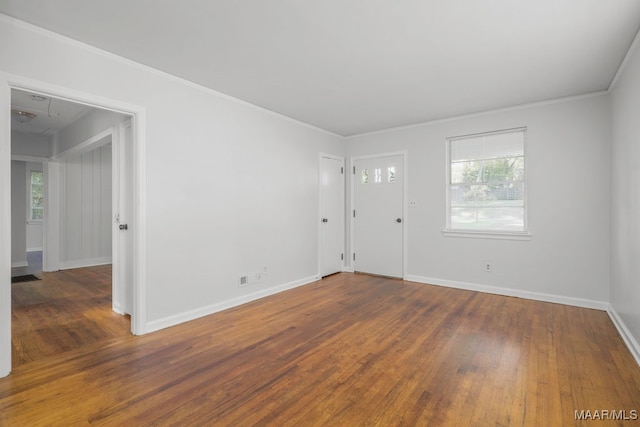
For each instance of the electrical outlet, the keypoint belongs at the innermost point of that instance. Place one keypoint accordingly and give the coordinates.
(487, 267)
(247, 279)
(243, 280)
(252, 278)
(413, 203)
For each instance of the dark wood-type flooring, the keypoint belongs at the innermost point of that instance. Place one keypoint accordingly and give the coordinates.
(64, 311)
(350, 350)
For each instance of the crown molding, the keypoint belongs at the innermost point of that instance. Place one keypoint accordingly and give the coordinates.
(483, 113)
(625, 62)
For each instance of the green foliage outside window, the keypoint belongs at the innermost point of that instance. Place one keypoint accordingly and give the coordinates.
(36, 197)
(491, 179)
(487, 182)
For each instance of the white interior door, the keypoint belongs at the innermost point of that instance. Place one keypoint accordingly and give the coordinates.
(378, 215)
(331, 215)
(123, 216)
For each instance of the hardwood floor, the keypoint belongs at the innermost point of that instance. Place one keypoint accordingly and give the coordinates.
(349, 350)
(64, 311)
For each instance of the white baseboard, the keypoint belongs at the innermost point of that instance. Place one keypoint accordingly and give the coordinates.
(537, 296)
(34, 249)
(624, 332)
(347, 269)
(156, 325)
(92, 262)
(19, 264)
(117, 308)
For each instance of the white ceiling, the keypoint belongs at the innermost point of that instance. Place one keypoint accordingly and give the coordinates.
(354, 66)
(52, 114)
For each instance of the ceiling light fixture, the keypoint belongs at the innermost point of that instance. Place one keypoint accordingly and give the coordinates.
(23, 116)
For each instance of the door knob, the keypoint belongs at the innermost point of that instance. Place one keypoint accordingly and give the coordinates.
(325, 220)
(398, 219)
(124, 227)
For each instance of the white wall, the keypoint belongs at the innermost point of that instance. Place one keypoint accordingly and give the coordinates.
(85, 201)
(34, 228)
(28, 144)
(568, 185)
(86, 127)
(625, 199)
(18, 214)
(85, 205)
(230, 187)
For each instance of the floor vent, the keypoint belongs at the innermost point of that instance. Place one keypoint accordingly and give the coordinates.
(25, 278)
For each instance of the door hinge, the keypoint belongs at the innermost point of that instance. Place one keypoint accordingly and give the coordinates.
(342, 170)
(354, 256)
(342, 257)
(354, 170)
(354, 213)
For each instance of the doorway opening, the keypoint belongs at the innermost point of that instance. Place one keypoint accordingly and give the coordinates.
(86, 151)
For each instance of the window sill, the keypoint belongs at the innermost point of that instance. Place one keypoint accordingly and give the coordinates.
(487, 234)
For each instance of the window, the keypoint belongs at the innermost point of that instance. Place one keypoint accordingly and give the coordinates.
(486, 183)
(36, 205)
(391, 174)
(365, 176)
(377, 177)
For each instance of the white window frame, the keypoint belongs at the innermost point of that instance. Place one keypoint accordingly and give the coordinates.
(30, 218)
(486, 234)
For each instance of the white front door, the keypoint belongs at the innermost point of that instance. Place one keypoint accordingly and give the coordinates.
(331, 215)
(379, 215)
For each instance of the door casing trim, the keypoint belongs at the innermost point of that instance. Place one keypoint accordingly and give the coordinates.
(138, 114)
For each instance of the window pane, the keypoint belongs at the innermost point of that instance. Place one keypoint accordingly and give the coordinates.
(504, 169)
(391, 177)
(37, 213)
(487, 188)
(37, 199)
(365, 176)
(378, 176)
(496, 194)
(488, 218)
(36, 178)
